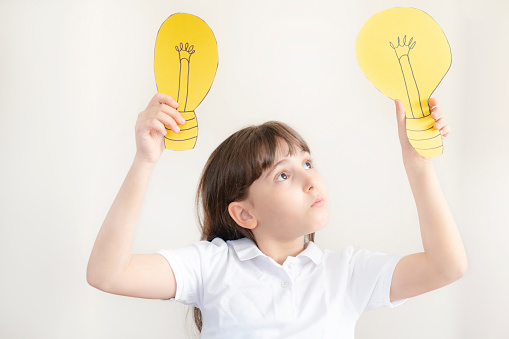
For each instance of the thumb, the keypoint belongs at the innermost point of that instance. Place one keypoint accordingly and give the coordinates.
(401, 118)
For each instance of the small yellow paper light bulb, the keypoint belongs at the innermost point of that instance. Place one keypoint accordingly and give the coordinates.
(185, 64)
(405, 54)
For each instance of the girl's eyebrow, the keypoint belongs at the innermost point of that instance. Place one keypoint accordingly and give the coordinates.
(285, 159)
(275, 166)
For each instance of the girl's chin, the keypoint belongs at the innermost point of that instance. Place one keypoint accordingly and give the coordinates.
(320, 225)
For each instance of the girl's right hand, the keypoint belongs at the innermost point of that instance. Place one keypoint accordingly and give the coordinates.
(150, 127)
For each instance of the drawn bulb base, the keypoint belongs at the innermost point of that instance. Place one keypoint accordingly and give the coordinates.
(186, 138)
(423, 137)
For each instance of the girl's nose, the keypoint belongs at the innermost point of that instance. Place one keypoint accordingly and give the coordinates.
(310, 182)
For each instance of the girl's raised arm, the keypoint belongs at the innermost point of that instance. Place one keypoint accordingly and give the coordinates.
(112, 267)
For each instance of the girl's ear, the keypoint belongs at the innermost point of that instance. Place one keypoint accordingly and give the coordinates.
(241, 215)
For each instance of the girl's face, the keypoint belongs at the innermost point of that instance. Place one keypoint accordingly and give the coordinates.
(289, 199)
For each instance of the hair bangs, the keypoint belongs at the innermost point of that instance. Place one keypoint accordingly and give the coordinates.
(272, 139)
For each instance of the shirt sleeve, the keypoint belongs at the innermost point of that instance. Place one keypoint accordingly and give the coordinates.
(191, 266)
(370, 280)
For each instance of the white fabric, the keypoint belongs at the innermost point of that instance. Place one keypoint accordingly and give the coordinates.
(243, 293)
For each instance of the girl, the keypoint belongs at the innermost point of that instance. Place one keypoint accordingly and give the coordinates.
(257, 273)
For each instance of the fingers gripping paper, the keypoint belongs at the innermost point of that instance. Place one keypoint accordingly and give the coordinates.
(185, 64)
(405, 54)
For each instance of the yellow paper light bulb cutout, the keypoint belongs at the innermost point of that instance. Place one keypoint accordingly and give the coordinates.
(405, 54)
(185, 64)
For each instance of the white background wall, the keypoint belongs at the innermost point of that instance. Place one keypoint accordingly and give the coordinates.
(74, 76)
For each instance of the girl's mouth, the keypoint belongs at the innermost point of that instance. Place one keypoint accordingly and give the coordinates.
(318, 202)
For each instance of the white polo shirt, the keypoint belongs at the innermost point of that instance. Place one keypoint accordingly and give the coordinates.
(244, 293)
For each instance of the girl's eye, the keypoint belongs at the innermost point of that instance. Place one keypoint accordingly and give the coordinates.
(282, 176)
(308, 164)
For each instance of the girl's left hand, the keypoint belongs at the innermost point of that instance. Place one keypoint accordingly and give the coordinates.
(440, 124)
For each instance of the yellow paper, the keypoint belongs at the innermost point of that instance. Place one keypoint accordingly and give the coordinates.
(405, 54)
(185, 63)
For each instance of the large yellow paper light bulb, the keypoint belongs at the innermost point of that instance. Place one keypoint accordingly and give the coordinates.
(185, 63)
(405, 54)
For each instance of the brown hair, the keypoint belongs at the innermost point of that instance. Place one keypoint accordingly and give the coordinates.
(229, 172)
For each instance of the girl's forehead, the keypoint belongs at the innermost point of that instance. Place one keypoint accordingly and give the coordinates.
(273, 152)
(283, 154)
(283, 150)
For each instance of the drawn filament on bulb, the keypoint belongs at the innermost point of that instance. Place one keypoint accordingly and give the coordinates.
(185, 52)
(412, 90)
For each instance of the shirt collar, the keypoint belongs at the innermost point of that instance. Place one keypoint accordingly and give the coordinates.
(246, 249)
